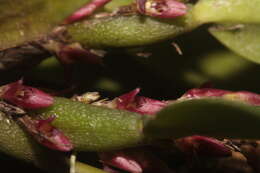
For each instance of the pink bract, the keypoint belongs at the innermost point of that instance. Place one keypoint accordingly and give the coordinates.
(143, 105)
(134, 161)
(46, 134)
(85, 11)
(244, 96)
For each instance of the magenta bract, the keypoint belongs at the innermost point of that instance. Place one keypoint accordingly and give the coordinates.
(25, 96)
(134, 161)
(46, 134)
(143, 105)
(122, 161)
(109, 169)
(203, 146)
(85, 11)
(161, 8)
(248, 97)
(204, 92)
(245, 96)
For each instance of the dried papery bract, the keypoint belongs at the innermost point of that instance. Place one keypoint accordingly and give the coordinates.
(85, 11)
(143, 105)
(25, 96)
(46, 134)
(161, 8)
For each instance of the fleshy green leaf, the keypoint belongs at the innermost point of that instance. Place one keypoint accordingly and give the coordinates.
(93, 128)
(243, 40)
(26, 20)
(211, 117)
(122, 31)
(222, 11)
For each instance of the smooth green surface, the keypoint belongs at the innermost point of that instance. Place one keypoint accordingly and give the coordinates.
(26, 20)
(92, 128)
(122, 31)
(223, 64)
(223, 11)
(245, 40)
(212, 117)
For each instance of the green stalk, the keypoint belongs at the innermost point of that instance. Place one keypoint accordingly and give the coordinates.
(84, 168)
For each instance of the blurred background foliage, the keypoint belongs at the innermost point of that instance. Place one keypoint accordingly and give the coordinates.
(158, 69)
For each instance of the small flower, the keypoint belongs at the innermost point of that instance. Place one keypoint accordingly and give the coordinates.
(46, 134)
(202, 145)
(161, 8)
(143, 105)
(85, 11)
(25, 96)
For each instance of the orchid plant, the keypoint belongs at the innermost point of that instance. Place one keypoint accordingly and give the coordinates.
(169, 48)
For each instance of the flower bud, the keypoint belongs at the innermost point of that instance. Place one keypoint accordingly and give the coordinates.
(161, 8)
(25, 96)
(143, 105)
